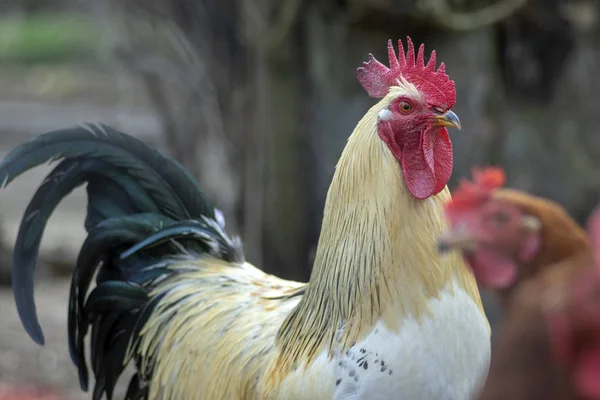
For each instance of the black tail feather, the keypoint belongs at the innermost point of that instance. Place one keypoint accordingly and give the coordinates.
(60, 182)
(143, 208)
(96, 251)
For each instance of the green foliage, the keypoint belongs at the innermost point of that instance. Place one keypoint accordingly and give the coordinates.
(48, 38)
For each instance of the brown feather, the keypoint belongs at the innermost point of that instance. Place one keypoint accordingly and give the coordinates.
(561, 236)
(522, 366)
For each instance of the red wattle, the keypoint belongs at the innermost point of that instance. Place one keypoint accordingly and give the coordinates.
(425, 158)
(417, 164)
(426, 161)
(443, 158)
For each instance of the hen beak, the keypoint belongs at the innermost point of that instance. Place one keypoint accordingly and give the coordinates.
(448, 119)
(453, 239)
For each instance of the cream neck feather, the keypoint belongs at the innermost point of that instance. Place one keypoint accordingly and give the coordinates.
(376, 258)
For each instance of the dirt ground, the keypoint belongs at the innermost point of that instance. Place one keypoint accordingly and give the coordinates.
(24, 363)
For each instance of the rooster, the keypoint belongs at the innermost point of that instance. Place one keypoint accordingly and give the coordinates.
(533, 255)
(382, 315)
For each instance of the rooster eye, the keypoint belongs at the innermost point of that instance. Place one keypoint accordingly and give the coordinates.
(404, 106)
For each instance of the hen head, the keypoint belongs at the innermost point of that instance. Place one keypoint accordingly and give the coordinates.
(495, 234)
(416, 110)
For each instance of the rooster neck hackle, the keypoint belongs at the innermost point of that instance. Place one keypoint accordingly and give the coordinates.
(376, 259)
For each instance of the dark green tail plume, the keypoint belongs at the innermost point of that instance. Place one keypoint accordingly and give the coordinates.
(144, 210)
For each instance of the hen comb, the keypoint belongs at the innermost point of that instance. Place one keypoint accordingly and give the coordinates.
(376, 78)
(469, 194)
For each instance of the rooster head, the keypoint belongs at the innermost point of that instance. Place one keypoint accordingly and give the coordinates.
(415, 115)
(495, 234)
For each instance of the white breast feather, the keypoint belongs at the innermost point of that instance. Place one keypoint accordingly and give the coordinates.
(446, 357)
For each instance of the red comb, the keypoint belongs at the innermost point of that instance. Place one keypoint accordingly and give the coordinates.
(376, 78)
(485, 182)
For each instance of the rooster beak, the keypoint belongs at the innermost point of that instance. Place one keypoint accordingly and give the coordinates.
(456, 240)
(448, 119)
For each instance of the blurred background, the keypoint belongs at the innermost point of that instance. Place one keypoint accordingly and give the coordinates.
(257, 98)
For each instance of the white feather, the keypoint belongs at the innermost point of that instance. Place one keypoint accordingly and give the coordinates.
(446, 357)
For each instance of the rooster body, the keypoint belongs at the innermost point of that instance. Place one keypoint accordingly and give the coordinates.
(383, 316)
(402, 354)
